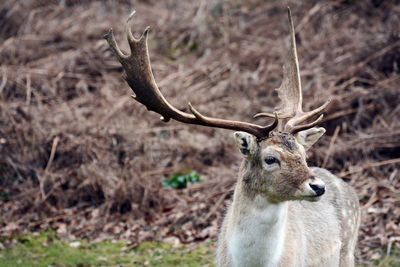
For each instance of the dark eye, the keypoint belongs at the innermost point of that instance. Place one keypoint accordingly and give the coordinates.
(271, 160)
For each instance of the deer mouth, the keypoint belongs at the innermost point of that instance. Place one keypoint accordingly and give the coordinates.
(312, 198)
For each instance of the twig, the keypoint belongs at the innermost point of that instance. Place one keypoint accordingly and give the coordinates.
(158, 129)
(306, 18)
(3, 80)
(56, 218)
(346, 112)
(9, 160)
(46, 72)
(392, 240)
(51, 158)
(381, 163)
(160, 171)
(361, 64)
(351, 81)
(370, 165)
(215, 207)
(28, 89)
(371, 201)
(332, 142)
(44, 195)
(16, 130)
(52, 153)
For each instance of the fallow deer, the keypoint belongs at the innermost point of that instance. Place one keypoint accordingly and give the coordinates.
(283, 213)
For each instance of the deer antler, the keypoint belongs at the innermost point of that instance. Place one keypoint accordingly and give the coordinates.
(140, 78)
(290, 93)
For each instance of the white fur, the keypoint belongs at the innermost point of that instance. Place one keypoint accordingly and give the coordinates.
(264, 220)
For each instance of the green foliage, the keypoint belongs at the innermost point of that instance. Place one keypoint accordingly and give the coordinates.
(392, 260)
(180, 180)
(194, 46)
(47, 250)
(159, 254)
(5, 195)
(351, 2)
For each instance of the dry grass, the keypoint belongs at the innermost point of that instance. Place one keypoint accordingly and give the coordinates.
(78, 156)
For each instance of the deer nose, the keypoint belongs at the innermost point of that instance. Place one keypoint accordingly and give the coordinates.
(319, 189)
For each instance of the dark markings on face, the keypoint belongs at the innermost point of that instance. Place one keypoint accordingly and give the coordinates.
(288, 142)
(284, 140)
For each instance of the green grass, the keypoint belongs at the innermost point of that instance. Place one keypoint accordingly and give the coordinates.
(392, 260)
(47, 250)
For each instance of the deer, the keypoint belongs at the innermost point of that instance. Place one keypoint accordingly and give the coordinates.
(283, 212)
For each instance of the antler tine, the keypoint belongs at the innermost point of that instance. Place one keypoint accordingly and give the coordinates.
(293, 124)
(270, 115)
(229, 124)
(138, 74)
(298, 128)
(290, 92)
(294, 70)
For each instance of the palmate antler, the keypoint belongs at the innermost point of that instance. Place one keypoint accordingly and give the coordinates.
(140, 78)
(290, 93)
(138, 74)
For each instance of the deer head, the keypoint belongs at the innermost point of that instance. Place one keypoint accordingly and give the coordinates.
(275, 162)
(276, 167)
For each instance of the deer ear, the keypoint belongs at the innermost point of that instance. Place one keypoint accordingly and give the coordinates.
(246, 143)
(308, 137)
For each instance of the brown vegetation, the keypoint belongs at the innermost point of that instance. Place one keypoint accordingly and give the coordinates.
(77, 155)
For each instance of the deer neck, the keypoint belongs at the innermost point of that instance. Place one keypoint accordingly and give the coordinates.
(258, 228)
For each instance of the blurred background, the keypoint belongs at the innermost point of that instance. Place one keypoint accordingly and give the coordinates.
(80, 157)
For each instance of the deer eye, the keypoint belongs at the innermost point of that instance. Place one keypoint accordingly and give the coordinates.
(271, 160)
